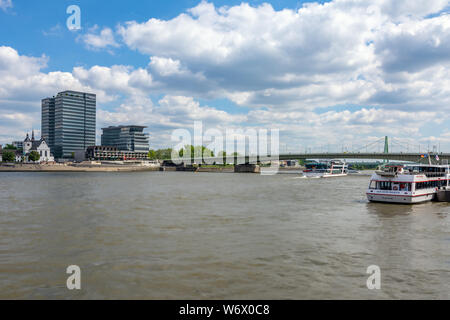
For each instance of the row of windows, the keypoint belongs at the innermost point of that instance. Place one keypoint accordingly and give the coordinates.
(388, 185)
(79, 117)
(430, 184)
(41, 153)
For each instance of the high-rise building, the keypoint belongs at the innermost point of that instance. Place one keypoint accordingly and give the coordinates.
(68, 122)
(48, 121)
(126, 138)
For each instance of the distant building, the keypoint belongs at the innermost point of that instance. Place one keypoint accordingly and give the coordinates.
(126, 138)
(17, 153)
(292, 163)
(113, 154)
(40, 146)
(68, 122)
(17, 144)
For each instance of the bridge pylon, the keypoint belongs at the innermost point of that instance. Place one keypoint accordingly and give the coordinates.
(386, 148)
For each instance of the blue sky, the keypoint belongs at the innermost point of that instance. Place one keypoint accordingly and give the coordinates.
(321, 72)
(25, 25)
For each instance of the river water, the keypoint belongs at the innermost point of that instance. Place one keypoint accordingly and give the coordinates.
(215, 236)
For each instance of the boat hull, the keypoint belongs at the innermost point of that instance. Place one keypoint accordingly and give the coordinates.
(443, 195)
(323, 175)
(373, 197)
(335, 175)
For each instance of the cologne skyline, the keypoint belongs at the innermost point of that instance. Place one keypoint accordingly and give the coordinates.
(329, 73)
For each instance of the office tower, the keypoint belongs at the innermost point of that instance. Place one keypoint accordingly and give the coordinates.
(68, 122)
(127, 138)
(48, 122)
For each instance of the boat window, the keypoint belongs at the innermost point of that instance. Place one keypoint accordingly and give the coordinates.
(385, 185)
(405, 186)
(373, 185)
(429, 184)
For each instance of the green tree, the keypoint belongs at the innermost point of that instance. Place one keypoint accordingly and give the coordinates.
(164, 154)
(9, 156)
(196, 152)
(10, 147)
(152, 155)
(34, 156)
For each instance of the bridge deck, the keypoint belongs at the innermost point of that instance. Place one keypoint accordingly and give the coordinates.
(413, 157)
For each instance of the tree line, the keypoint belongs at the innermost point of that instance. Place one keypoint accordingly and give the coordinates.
(9, 154)
(194, 151)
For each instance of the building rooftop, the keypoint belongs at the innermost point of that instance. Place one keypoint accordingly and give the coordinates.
(69, 92)
(123, 127)
(77, 92)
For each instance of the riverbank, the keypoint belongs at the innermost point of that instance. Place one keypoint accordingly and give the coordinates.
(133, 168)
(75, 168)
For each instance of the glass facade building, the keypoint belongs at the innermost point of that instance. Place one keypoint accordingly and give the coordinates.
(126, 138)
(48, 122)
(68, 122)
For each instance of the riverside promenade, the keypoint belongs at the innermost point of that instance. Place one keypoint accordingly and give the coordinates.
(126, 167)
(75, 168)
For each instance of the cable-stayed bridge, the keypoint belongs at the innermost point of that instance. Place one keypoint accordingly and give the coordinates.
(386, 149)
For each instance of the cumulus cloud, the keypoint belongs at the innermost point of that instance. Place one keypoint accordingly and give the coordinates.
(22, 78)
(414, 45)
(103, 40)
(244, 47)
(344, 51)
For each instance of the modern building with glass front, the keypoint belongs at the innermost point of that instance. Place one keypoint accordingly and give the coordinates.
(48, 122)
(126, 138)
(68, 122)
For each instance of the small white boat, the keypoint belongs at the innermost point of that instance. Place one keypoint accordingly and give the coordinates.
(326, 169)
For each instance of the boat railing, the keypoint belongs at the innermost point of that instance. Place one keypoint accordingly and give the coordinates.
(427, 174)
(434, 174)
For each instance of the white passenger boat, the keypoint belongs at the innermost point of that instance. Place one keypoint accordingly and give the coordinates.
(326, 169)
(408, 184)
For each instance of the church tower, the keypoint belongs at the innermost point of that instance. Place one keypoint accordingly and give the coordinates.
(27, 144)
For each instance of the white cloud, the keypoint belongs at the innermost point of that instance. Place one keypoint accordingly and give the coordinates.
(165, 66)
(103, 40)
(5, 4)
(22, 79)
(55, 31)
(342, 52)
(413, 46)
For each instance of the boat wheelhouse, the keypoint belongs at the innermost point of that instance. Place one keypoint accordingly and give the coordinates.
(326, 169)
(408, 184)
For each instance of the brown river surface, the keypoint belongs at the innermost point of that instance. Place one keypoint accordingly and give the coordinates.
(181, 235)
